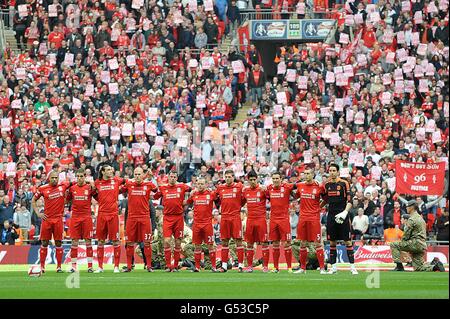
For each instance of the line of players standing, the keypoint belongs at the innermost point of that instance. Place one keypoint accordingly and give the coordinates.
(230, 197)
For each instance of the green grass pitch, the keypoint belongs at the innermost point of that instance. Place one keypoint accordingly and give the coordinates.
(207, 285)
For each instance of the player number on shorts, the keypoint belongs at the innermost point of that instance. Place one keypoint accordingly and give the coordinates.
(318, 237)
(148, 236)
(91, 234)
(210, 239)
(181, 233)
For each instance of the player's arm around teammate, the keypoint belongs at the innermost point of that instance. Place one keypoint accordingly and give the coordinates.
(202, 229)
(309, 229)
(231, 200)
(138, 227)
(52, 219)
(280, 230)
(80, 197)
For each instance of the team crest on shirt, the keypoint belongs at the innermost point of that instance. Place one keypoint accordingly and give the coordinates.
(314, 191)
(338, 188)
(235, 190)
(60, 188)
(282, 189)
(145, 188)
(207, 197)
(179, 190)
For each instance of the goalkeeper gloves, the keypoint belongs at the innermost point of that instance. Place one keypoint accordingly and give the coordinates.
(341, 217)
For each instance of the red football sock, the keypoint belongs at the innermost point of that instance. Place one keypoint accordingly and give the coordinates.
(303, 257)
(59, 254)
(74, 256)
(89, 255)
(168, 257)
(197, 257)
(130, 253)
(148, 255)
(250, 253)
(240, 254)
(276, 257)
(225, 251)
(288, 255)
(43, 256)
(320, 257)
(116, 255)
(176, 257)
(212, 255)
(266, 256)
(100, 255)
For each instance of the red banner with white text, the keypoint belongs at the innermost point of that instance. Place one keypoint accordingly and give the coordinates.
(419, 178)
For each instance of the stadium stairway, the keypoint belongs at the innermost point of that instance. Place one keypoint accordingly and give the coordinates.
(11, 39)
(242, 114)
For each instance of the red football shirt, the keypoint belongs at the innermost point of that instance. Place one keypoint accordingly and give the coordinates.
(203, 205)
(172, 198)
(81, 197)
(279, 200)
(256, 202)
(108, 193)
(54, 199)
(310, 195)
(231, 199)
(138, 198)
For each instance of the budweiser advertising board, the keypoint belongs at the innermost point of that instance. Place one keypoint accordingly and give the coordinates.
(419, 178)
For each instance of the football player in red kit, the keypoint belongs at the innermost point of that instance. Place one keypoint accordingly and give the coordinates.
(280, 228)
(256, 228)
(139, 227)
(309, 229)
(80, 195)
(231, 201)
(173, 195)
(202, 229)
(107, 192)
(54, 195)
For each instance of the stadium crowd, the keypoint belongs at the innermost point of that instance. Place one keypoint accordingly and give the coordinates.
(144, 83)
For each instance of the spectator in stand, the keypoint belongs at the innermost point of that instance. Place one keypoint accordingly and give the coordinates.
(392, 233)
(22, 218)
(442, 226)
(234, 17)
(8, 234)
(6, 209)
(360, 224)
(376, 229)
(256, 82)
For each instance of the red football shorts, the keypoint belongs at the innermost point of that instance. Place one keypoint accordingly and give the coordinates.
(231, 228)
(173, 225)
(279, 229)
(202, 233)
(81, 228)
(309, 230)
(256, 231)
(51, 227)
(108, 227)
(138, 230)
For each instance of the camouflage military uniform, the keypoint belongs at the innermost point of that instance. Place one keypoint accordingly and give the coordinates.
(312, 257)
(232, 249)
(414, 242)
(187, 249)
(158, 260)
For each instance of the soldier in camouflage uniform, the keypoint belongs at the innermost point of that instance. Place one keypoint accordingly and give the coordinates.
(313, 263)
(414, 242)
(158, 260)
(187, 250)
